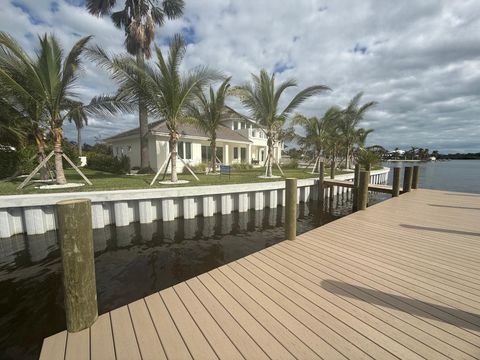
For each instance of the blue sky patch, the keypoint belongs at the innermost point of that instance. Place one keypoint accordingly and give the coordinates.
(360, 49)
(33, 19)
(280, 67)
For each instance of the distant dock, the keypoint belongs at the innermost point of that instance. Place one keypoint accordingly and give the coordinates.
(400, 280)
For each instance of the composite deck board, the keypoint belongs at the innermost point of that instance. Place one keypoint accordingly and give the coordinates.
(400, 280)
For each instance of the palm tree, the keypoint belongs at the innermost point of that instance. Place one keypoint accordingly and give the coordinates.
(262, 99)
(44, 84)
(40, 89)
(168, 93)
(138, 19)
(79, 117)
(317, 132)
(207, 112)
(352, 116)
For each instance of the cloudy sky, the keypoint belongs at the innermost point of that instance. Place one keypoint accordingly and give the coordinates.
(420, 60)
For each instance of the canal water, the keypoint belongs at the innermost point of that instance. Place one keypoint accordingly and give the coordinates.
(452, 175)
(131, 262)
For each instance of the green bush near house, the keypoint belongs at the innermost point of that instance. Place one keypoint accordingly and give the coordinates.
(292, 164)
(9, 161)
(197, 169)
(242, 166)
(108, 163)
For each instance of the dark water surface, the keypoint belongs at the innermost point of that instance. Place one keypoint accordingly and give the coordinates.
(452, 175)
(131, 262)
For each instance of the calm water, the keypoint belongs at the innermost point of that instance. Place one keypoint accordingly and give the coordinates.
(453, 175)
(131, 262)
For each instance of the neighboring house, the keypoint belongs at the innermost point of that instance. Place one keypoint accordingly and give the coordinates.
(239, 139)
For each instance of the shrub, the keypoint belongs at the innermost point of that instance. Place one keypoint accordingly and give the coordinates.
(197, 169)
(108, 163)
(292, 164)
(9, 162)
(242, 166)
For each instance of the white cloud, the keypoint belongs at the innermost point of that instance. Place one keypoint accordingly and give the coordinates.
(419, 59)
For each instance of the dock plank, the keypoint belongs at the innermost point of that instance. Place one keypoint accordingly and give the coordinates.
(53, 347)
(124, 337)
(400, 280)
(101, 339)
(76, 342)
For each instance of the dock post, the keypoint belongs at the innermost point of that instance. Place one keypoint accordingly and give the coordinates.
(355, 187)
(363, 190)
(321, 190)
(75, 237)
(396, 182)
(416, 169)
(291, 208)
(407, 179)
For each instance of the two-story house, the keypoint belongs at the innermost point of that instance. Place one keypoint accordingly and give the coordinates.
(239, 139)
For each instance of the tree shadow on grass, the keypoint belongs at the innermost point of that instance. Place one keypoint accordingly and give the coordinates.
(448, 231)
(452, 316)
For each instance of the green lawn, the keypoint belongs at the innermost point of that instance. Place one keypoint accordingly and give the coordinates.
(107, 181)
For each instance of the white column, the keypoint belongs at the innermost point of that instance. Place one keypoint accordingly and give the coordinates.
(5, 231)
(259, 200)
(249, 153)
(208, 206)
(226, 204)
(34, 221)
(145, 211)
(226, 155)
(168, 210)
(272, 199)
(243, 202)
(188, 208)
(98, 221)
(121, 213)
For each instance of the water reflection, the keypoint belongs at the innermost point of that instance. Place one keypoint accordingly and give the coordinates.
(131, 262)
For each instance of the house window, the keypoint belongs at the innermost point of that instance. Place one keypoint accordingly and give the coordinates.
(235, 153)
(184, 150)
(180, 149)
(243, 154)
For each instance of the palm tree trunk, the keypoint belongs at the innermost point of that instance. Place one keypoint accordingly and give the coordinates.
(213, 146)
(173, 156)
(347, 158)
(57, 148)
(143, 124)
(41, 155)
(270, 154)
(79, 141)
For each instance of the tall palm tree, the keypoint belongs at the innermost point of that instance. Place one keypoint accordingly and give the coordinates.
(207, 112)
(79, 117)
(262, 99)
(44, 83)
(352, 116)
(138, 19)
(167, 92)
(40, 89)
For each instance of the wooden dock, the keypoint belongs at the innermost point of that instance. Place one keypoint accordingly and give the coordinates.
(399, 280)
(386, 189)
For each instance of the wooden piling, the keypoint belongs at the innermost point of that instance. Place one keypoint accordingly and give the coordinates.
(321, 189)
(75, 236)
(407, 179)
(291, 208)
(362, 194)
(396, 182)
(416, 169)
(355, 187)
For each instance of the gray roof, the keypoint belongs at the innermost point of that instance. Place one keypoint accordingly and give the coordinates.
(223, 132)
